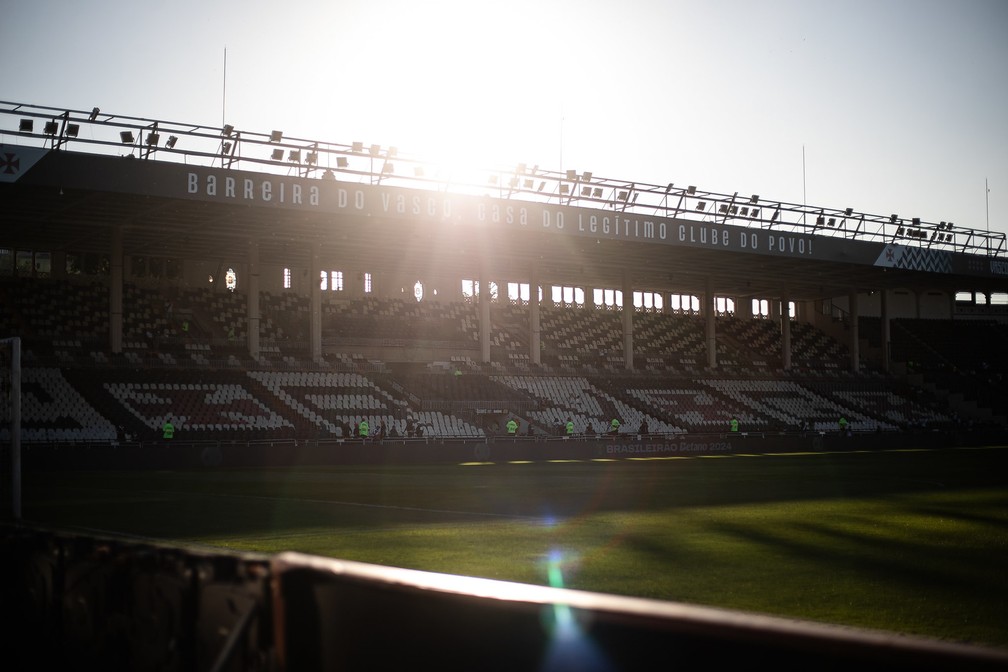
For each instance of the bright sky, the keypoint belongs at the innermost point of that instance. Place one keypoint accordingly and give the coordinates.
(885, 106)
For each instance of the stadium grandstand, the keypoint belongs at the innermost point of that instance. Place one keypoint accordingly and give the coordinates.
(267, 294)
(252, 286)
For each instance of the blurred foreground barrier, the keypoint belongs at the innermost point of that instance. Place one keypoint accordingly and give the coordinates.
(77, 602)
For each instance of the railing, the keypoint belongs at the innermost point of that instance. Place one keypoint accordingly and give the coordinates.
(118, 135)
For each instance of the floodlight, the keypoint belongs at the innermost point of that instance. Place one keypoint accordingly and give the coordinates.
(669, 187)
(172, 139)
(775, 215)
(849, 211)
(585, 192)
(417, 170)
(50, 128)
(744, 211)
(528, 183)
(277, 154)
(542, 185)
(72, 130)
(571, 174)
(375, 150)
(564, 188)
(26, 126)
(153, 139)
(586, 176)
(520, 169)
(357, 147)
(388, 168)
(392, 152)
(513, 182)
(312, 158)
(227, 147)
(691, 190)
(597, 193)
(723, 208)
(276, 136)
(893, 217)
(622, 195)
(342, 162)
(94, 114)
(831, 221)
(820, 220)
(754, 213)
(328, 175)
(916, 221)
(700, 206)
(126, 137)
(294, 155)
(227, 130)
(754, 198)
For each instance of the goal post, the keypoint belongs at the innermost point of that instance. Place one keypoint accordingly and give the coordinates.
(10, 428)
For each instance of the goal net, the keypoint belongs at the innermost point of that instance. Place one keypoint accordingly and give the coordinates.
(10, 428)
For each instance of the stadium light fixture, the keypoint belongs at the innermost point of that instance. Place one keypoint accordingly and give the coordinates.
(754, 199)
(294, 156)
(357, 147)
(94, 114)
(586, 176)
(50, 128)
(597, 193)
(691, 190)
(26, 126)
(342, 162)
(571, 175)
(701, 205)
(585, 192)
(892, 218)
(276, 136)
(669, 186)
(277, 154)
(375, 150)
(849, 211)
(153, 138)
(172, 139)
(312, 158)
(126, 137)
(227, 130)
(72, 130)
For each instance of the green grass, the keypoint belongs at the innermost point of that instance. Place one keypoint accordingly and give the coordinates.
(907, 541)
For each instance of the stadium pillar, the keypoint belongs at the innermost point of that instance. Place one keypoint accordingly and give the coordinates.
(253, 299)
(708, 310)
(484, 308)
(885, 329)
(628, 309)
(855, 353)
(315, 299)
(785, 322)
(116, 290)
(535, 352)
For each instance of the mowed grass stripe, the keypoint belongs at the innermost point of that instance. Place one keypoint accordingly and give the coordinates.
(906, 541)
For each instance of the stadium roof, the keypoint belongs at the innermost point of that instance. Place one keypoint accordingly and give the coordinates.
(211, 191)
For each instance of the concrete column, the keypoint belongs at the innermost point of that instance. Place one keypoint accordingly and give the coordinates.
(315, 301)
(785, 322)
(709, 323)
(252, 299)
(886, 363)
(855, 339)
(484, 308)
(535, 326)
(628, 309)
(116, 291)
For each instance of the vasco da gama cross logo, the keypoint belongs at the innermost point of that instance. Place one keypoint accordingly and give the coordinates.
(10, 164)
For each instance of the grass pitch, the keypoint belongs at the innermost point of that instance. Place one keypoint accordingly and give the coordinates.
(906, 541)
